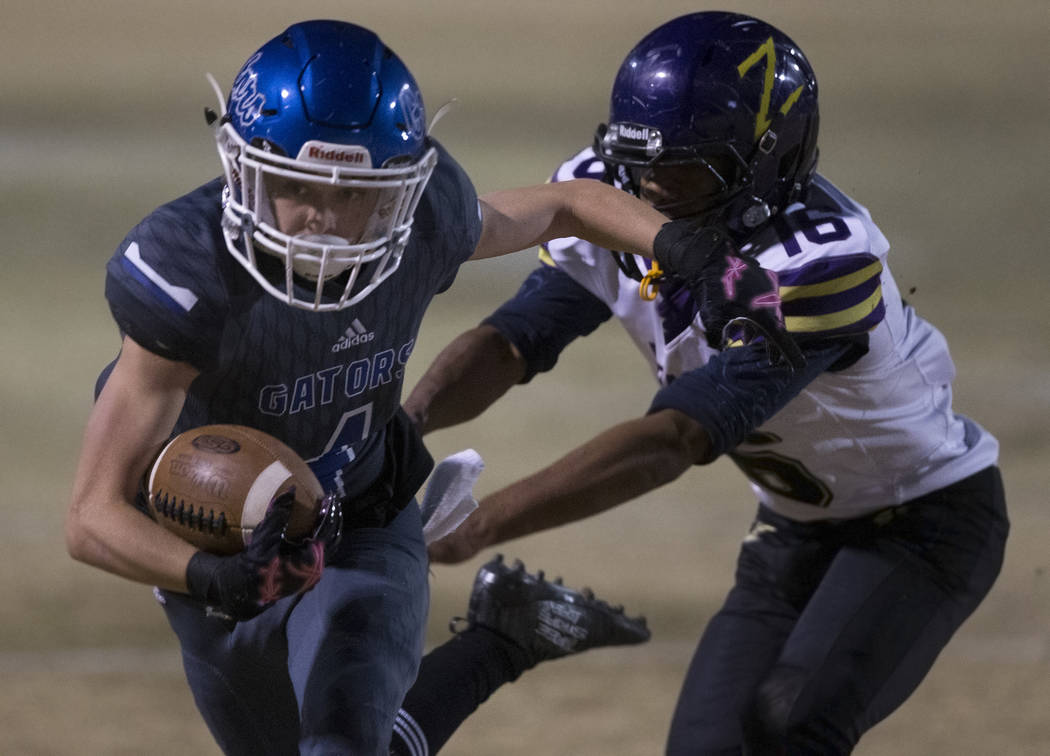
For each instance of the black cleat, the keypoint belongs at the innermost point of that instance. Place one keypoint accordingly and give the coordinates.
(545, 618)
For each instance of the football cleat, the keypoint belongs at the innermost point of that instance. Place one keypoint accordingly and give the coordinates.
(544, 617)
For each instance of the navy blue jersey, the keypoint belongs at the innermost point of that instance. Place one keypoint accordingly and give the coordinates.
(325, 383)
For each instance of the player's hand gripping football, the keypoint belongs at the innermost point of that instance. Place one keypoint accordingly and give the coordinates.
(737, 298)
(269, 568)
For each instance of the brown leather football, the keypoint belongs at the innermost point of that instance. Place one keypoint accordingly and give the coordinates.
(211, 485)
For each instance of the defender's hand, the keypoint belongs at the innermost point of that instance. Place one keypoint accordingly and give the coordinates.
(737, 298)
(454, 548)
(243, 585)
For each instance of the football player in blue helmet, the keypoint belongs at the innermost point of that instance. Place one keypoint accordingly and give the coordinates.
(287, 295)
(326, 157)
(881, 518)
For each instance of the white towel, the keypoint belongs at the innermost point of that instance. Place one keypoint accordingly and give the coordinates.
(449, 497)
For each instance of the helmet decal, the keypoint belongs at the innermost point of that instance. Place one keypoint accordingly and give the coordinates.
(768, 52)
(412, 106)
(246, 101)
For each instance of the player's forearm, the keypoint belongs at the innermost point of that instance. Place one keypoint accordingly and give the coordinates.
(129, 423)
(104, 529)
(117, 538)
(516, 219)
(608, 218)
(616, 466)
(469, 374)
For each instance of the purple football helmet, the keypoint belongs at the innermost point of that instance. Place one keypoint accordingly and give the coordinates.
(724, 92)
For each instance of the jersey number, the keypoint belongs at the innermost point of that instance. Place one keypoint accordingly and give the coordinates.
(783, 476)
(817, 227)
(352, 427)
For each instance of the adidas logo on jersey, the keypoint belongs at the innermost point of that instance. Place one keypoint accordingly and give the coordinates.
(355, 334)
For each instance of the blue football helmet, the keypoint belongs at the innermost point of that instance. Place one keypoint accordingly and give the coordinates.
(323, 114)
(725, 93)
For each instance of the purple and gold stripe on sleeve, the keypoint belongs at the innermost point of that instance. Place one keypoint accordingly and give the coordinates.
(835, 296)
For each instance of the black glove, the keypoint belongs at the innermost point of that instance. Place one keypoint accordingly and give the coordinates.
(328, 527)
(240, 586)
(737, 298)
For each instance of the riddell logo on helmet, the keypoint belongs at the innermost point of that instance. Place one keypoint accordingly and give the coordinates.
(337, 154)
(629, 131)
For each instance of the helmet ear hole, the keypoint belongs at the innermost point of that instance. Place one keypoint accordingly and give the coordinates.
(267, 145)
(788, 165)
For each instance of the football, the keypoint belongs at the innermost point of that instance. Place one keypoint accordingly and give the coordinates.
(211, 485)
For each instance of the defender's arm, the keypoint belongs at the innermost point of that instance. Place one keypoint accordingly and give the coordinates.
(615, 466)
(467, 376)
(524, 336)
(691, 421)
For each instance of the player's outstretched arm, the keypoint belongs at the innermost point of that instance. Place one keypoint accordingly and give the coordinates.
(131, 419)
(516, 219)
(467, 376)
(617, 465)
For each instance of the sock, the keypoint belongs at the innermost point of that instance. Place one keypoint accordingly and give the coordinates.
(454, 680)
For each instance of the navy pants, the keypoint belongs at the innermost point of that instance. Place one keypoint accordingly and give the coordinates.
(321, 673)
(831, 626)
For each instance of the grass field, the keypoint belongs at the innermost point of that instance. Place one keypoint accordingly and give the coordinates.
(933, 115)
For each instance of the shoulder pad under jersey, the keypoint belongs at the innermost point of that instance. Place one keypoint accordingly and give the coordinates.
(447, 221)
(584, 164)
(168, 284)
(828, 257)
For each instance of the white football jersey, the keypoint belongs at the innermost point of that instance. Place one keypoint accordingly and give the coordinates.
(874, 435)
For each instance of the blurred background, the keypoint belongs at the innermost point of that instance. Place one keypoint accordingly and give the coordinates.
(934, 116)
